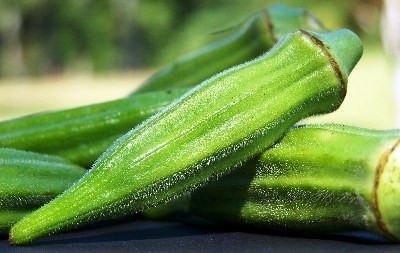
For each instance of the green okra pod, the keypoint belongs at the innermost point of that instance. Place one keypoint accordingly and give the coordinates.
(317, 179)
(254, 37)
(82, 134)
(215, 127)
(28, 180)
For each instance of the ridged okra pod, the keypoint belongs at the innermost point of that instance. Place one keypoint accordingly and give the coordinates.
(215, 127)
(317, 179)
(28, 180)
(82, 134)
(255, 36)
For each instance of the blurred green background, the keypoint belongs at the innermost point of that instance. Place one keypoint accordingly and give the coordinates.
(39, 37)
(55, 53)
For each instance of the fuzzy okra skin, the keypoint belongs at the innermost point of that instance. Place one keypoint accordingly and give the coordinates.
(82, 134)
(28, 180)
(257, 35)
(212, 129)
(317, 179)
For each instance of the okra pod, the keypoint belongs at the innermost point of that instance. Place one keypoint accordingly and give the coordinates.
(209, 131)
(28, 180)
(317, 179)
(82, 134)
(257, 35)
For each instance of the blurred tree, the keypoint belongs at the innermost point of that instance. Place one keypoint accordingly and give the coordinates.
(71, 31)
(159, 21)
(10, 46)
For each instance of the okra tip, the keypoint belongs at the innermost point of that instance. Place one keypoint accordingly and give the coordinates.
(343, 45)
(386, 196)
(13, 242)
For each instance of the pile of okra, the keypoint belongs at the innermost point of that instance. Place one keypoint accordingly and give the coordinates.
(214, 134)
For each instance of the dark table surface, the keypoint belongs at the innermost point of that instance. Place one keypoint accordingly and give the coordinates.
(158, 236)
